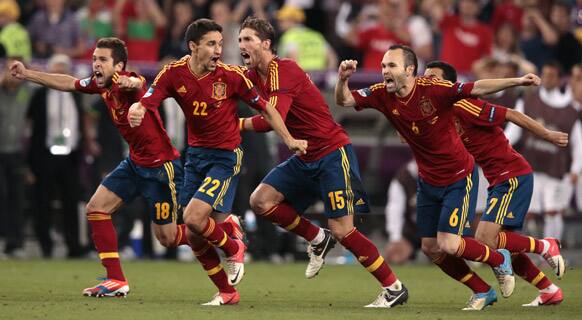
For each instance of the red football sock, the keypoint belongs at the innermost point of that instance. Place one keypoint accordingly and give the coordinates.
(525, 268)
(210, 261)
(458, 269)
(369, 257)
(515, 242)
(474, 250)
(228, 228)
(105, 240)
(215, 235)
(285, 215)
(181, 237)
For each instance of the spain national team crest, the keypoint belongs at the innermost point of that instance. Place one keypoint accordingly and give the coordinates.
(426, 107)
(219, 90)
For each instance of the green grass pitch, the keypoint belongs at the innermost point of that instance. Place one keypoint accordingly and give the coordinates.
(174, 290)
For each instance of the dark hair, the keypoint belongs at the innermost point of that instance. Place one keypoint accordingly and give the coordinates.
(118, 49)
(197, 29)
(263, 28)
(554, 64)
(409, 56)
(449, 72)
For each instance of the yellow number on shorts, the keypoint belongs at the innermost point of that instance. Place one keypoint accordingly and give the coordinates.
(210, 191)
(492, 204)
(162, 210)
(454, 219)
(337, 199)
(199, 108)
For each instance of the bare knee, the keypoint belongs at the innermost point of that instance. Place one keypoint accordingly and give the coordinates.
(487, 238)
(448, 245)
(195, 219)
(261, 203)
(340, 227)
(431, 249)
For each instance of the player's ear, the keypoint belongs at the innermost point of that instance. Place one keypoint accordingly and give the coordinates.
(192, 46)
(266, 44)
(119, 66)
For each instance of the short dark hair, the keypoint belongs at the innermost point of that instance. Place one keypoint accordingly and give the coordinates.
(449, 72)
(197, 29)
(118, 49)
(554, 64)
(264, 29)
(409, 56)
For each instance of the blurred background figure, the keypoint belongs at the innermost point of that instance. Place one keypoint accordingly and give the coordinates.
(173, 45)
(54, 156)
(14, 40)
(14, 99)
(95, 22)
(400, 214)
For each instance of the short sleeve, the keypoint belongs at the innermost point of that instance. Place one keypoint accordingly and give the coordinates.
(480, 113)
(158, 91)
(363, 98)
(87, 85)
(246, 90)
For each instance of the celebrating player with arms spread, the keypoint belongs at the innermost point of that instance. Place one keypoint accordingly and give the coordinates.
(207, 91)
(421, 110)
(329, 171)
(510, 184)
(152, 170)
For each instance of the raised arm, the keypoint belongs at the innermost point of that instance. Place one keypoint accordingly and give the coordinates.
(558, 138)
(63, 82)
(489, 86)
(343, 96)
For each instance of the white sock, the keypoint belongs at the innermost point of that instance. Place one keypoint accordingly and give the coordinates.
(546, 246)
(550, 289)
(318, 238)
(396, 286)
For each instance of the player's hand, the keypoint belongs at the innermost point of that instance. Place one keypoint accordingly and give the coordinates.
(558, 138)
(297, 146)
(136, 114)
(17, 70)
(398, 252)
(124, 82)
(530, 79)
(347, 68)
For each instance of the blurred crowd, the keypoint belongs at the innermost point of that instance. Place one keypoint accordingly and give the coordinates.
(39, 166)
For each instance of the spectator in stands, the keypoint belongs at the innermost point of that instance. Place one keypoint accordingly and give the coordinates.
(464, 39)
(141, 23)
(306, 46)
(507, 12)
(14, 97)
(401, 216)
(174, 45)
(537, 36)
(576, 14)
(14, 40)
(55, 29)
(567, 49)
(96, 22)
(222, 13)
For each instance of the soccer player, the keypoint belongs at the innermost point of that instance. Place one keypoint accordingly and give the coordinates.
(510, 184)
(207, 91)
(329, 171)
(421, 110)
(152, 170)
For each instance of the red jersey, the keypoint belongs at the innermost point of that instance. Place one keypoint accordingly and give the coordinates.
(209, 101)
(424, 119)
(374, 43)
(305, 112)
(149, 145)
(479, 126)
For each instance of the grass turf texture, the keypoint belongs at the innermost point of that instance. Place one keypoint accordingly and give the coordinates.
(173, 290)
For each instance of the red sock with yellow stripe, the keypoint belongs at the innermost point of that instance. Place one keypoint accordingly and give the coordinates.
(210, 261)
(525, 268)
(474, 250)
(285, 215)
(181, 238)
(458, 269)
(515, 242)
(105, 240)
(215, 235)
(369, 257)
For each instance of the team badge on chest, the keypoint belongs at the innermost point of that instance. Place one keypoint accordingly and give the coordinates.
(426, 107)
(219, 90)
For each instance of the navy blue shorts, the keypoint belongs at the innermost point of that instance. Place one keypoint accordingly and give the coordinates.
(211, 175)
(334, 179)
(446, 209)
(160, 186)
(508, 202)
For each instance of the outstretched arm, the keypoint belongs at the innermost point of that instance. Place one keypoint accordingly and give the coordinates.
(558, 138)
(343, 96)
(488, 86)
(63, 82)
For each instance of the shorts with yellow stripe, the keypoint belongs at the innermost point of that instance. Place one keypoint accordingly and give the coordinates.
(447, 209)
(211, 175)
(334, 179)
(508, 202)
(159, 186)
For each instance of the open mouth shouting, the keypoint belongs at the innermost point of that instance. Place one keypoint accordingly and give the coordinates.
(246, 58)
(99, 78)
